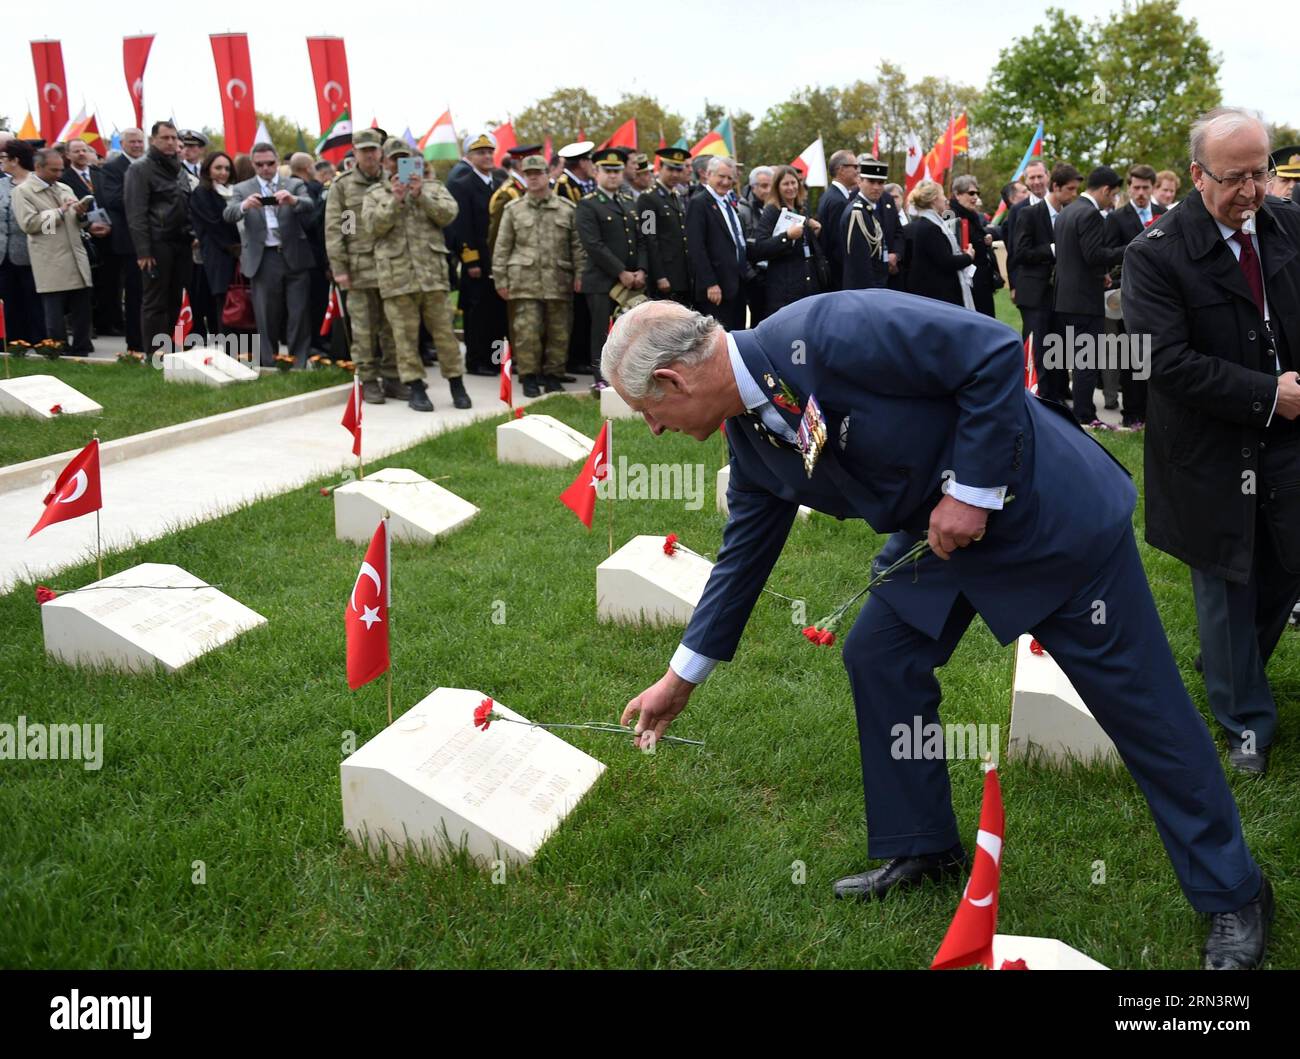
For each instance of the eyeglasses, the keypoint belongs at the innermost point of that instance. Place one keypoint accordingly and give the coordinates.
(970, 191)
(1238, 180)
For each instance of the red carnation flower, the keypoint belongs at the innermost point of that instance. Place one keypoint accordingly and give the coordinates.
(207, 360)
(44, 594)
(811, 633)
(519, 413)
(324, 491)
(670, 544)
(1014, 965)
(56, 409)
(826, 638)
(483, 714)
(1035, 648)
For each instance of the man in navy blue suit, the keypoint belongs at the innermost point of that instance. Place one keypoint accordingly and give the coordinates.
(929, 433)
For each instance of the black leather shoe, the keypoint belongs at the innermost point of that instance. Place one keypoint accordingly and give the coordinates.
(459, 398)
(1248, 762)
(396, 388)
(904, 872)
(531, 389)
(419, 399)
(1238, 939)
(552, 384)
(428, 357)
(372, 392)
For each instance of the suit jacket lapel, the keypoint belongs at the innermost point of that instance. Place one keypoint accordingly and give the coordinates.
(1204, 241)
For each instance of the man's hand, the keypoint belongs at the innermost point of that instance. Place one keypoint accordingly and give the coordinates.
(253, 202)
(663, 284)
(954, 525)
(1288, 395)
(474, 271)
(343, 280)
(658, 706)
(399, 189)
(638, 279)
(284, 198)
(503, 293)
(99, 229)
(417, 182)
(714, 294)
(893, 264)
(146, 263)
(577, 286)
(628, 279)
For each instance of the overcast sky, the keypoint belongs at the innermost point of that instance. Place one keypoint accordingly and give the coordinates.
(494, 57)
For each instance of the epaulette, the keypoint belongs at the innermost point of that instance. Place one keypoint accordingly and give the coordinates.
(589, 195)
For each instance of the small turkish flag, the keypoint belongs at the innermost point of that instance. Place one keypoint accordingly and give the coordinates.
(76, 490)
(332, 311)
(970, 936)
(580, 497)
(352, 415)
(184, 323)
(366, 616)
(1031, 369)
(507, 391)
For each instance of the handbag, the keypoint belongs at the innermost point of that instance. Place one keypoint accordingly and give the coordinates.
(237, 310)
(822, 266)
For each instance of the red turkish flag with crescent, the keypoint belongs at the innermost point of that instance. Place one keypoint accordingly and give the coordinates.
(51, 87)
(970, 936)
(332, 312)
(507, 389)
(235, 83)
(580, 497)
(1031, 369)
(352, 415)
(184, 323)
(366, 616)
(329, 69)
(135, 55)
(76, 490)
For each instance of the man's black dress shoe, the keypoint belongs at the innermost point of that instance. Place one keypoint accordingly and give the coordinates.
(1238, 939)
(1252, 763)
(904, 872)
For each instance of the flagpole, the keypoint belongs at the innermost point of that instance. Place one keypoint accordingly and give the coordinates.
(99, 556)
(388, 611)
(609, 493)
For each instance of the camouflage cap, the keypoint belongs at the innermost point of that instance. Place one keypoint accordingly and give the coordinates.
(639, 160)
(533, 163)
(395, 147)
(368, 138)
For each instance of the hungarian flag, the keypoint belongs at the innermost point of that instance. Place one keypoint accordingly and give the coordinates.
(623, 136)
(184, 323)
(366, 616)
(811, 164)
(580, 497)
(440, 141)
(336, 140)
(720, 141)
(507, 390)
(1031, 370)
(76, 490)
(352, 415)
(506, 139)
(970, 937)
(332, 311)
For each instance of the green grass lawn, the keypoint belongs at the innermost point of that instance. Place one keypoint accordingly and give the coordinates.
(681, 859)
(135, 399)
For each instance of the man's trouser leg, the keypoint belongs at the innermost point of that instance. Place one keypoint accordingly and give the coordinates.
(297, 301)
(599, 308)
(435, 309)
(268, 303)
(161, 296)
(403, 313)
(370, 326)
(891, 673)
(529, 316)
(1109, 642)
(133, 300)
(1086, 379)
(558, 313)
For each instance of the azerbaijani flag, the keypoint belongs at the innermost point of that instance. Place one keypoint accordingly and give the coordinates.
(1035, 151)
(720, 141)
(439, 143)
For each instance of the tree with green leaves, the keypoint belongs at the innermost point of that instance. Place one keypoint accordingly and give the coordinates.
(562, 115)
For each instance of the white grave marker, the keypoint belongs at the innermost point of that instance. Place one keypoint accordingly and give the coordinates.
(541, 441)
(612, 406)
(724, 479)
(434, 780)
(152, 614)
(1041, 954)
(209, 367)
(36, 395)
(1047, 715)
(639, 583)
(420, 510)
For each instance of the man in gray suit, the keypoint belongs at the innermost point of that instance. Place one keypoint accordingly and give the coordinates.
(276, 257)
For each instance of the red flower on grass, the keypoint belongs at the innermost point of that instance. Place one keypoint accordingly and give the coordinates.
(56, 409)
(820, 637)
(44, 594)
(519, 413)
(670, 544)
(1035, 648)
(324, 490)
(1014, 965)
(483, 714)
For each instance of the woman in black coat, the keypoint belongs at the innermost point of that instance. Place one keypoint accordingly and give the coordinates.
(937, 268)
(792, 256)
(218, 239)
(966, 207)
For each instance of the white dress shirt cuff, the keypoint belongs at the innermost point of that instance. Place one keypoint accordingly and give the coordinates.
(690, 666)
(990, 497)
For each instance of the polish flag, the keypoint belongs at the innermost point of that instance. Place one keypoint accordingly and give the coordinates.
(580, 497)
(352, 415)
(1031, 369)
(811, 164)
(507, 390)
(76, 490)
(366, 615)
(916, 169)
(184, 323)
(970, 937)
(332, 311)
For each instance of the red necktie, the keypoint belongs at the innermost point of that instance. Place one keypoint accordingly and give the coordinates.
(1249, 263)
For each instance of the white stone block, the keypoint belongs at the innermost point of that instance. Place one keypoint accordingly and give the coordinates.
(1041, 954)
(1047, 715)
(541, 441)
(420, 510)
(152, 614)
(724, 479)
(639, 583)
(35, 395)
(209, 367)
(433, 780)
(612, 406)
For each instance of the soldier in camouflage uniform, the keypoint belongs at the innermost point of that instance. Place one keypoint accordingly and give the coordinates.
(537, 260)
(411, 257)
(351, 250)
(511, 190)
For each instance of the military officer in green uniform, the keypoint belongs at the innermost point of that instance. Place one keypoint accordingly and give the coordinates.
(574, 181)
(350, 247)
(610, 231)
(407, 219)
(536, 265)
(662, 218)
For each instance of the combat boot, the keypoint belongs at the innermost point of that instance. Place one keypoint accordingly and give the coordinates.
(419, 399)
(396, 388)
(552, 384)
(459, 397)
(531, 389)
(372, 392)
